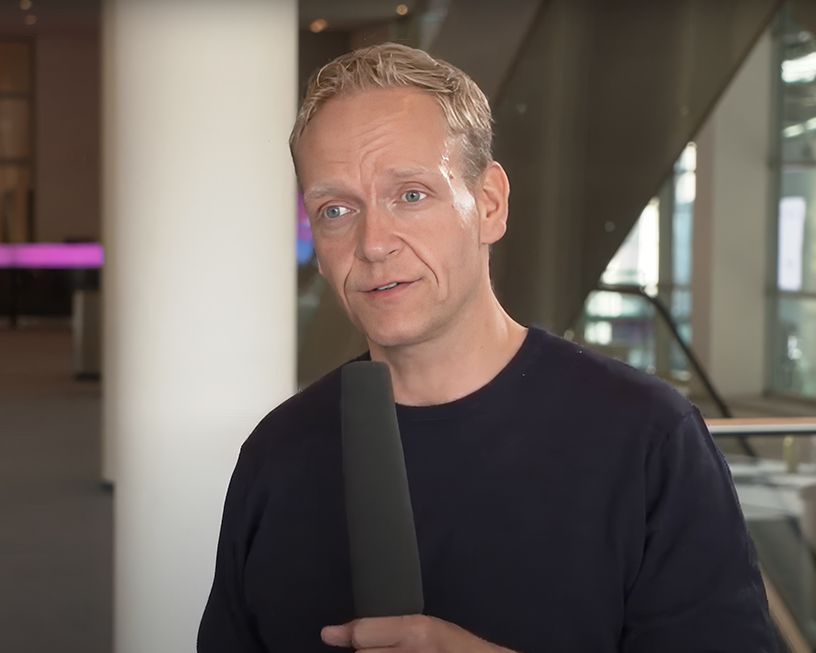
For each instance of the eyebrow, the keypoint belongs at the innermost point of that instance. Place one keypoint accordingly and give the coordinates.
(322, 191)
(399, 173)
(404, 173)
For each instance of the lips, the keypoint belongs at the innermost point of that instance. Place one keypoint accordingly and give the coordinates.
(386, 285)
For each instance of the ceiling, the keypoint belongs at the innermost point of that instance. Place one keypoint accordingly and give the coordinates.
(347, 14)
(82, 15)
(52, 16)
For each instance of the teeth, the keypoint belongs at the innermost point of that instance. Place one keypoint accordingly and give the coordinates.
(390, 285)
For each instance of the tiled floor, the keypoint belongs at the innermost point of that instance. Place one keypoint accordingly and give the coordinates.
(55, 516)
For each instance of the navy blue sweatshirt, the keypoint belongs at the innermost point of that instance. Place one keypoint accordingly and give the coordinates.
(573, 504)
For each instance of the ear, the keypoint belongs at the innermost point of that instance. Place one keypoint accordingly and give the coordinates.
(493, 193)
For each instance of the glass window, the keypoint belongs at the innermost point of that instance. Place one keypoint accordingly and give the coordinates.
(685, 192)
(656, 256)
(798, 86)
(793, 302)
(796, 228)
(794, 350)
(637, 260)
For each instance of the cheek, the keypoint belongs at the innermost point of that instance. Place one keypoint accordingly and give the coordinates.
(329, 260)
(461, 238)
(452, 252)
(336, 262)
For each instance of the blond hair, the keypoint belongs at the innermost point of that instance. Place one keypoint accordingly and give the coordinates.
(390, 65)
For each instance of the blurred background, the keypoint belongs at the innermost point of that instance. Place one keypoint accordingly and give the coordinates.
(159, 292)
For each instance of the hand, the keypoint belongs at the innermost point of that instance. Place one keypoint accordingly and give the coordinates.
(417, 633)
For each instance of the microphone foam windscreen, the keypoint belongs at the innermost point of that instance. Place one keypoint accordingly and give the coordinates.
(386, 577)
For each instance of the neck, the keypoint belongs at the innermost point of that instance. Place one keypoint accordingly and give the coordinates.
(452, 365)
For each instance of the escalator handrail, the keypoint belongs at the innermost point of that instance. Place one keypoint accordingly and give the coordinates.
(780, 426)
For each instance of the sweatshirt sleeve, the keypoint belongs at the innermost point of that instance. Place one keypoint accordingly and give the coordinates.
(699, 587)
(228, 625)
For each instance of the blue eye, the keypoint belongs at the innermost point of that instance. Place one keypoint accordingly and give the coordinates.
(412, 196)
(335, 211)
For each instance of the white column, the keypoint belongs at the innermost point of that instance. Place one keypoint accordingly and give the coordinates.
(199, 217)
(110, 279)
(731, 217)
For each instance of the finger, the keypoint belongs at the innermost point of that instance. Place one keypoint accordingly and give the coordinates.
(337, 635)
(376, 632)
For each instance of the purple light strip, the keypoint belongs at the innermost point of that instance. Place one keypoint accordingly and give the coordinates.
(51, 255)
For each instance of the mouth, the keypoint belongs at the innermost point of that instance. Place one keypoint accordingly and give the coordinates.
(389, 286)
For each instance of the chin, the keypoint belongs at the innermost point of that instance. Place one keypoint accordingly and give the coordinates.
(394, 335)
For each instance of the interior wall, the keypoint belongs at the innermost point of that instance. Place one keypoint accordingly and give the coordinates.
(67, 137)
(316, 50)
(702, 244)
(730, 223)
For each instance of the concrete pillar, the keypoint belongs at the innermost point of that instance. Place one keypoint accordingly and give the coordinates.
(731, 217)
(199, 201)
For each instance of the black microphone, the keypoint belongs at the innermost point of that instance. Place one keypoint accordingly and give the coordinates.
(385, 571)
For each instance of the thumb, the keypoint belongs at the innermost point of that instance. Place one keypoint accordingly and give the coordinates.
(336, 635)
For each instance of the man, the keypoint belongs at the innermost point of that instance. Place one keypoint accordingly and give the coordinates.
(563, 501)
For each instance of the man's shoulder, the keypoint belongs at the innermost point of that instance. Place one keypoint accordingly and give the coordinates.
(312, 411)
(582, 379)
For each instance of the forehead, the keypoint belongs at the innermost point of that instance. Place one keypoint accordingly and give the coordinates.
(397, 126)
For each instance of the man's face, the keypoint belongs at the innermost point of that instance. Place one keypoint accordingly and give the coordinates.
(396, 229)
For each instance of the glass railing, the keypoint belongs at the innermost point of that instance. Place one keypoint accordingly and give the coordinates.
(776, 486)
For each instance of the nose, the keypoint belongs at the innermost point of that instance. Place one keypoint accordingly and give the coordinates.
(377, 238)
